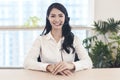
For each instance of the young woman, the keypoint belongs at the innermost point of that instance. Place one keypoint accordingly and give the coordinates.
(57, 46)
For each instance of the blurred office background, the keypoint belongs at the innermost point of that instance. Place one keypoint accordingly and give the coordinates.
(16, 39)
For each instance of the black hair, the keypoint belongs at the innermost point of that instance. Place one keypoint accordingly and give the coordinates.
(66, 29)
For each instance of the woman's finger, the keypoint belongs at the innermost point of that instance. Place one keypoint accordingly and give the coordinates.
(62, 73)
(60, 69)
(67, 72)
(57, 66)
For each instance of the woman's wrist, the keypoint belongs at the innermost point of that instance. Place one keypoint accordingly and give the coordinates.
(48, 68)
(72, 67)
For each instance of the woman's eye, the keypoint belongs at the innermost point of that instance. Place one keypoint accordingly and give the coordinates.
(60, 16)
(52, 16)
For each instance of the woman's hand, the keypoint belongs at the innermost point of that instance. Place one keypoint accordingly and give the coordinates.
(50, 67)
(62, 66)
(66, 73)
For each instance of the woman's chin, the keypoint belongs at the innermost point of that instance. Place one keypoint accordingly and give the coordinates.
(57, 27)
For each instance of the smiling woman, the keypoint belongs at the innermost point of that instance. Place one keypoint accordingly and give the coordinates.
(15, 40)
(56, 44)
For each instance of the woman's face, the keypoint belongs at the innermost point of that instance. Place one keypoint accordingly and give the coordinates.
(56, 18)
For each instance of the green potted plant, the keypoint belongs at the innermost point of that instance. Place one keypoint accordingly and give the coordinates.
(105, 52)
(32, 21)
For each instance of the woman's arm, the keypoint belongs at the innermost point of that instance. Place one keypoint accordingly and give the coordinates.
(30, 61)
(85, 61)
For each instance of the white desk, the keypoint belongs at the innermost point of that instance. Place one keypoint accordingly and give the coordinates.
(92, 74)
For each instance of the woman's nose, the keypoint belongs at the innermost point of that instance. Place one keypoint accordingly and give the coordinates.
(57, 19)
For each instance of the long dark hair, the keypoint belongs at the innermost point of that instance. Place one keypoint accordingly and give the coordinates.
(66, 29)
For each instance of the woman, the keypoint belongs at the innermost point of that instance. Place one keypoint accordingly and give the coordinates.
(57, 46)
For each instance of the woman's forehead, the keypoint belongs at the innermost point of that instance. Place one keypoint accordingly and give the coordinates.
(56, 11)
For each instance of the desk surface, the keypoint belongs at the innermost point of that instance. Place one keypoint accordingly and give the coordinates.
(92, 74)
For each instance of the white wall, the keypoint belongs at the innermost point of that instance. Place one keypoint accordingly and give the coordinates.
(105, 9)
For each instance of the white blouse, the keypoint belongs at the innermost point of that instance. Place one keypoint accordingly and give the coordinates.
(50, 52)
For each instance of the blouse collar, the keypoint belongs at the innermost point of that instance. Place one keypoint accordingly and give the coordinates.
(49, 36)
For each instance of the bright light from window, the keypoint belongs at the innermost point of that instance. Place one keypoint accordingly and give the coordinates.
(16, 12)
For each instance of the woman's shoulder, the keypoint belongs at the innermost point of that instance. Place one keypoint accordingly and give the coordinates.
(41, 37)
(77, 39)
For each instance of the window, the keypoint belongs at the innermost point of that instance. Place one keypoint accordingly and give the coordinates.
(15, 42)
(15, 12)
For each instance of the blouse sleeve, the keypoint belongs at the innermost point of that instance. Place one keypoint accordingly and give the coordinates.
(85, 61)
(30, 61)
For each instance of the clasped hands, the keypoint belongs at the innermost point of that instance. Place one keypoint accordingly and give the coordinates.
(63, 68)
